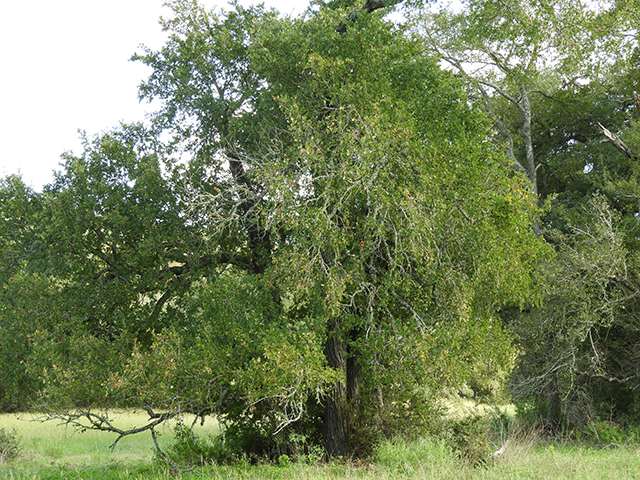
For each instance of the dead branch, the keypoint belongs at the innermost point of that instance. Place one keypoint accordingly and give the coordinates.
(89, 420)
(614, 140)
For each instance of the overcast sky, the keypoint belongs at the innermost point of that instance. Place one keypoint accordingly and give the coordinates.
(64, 67)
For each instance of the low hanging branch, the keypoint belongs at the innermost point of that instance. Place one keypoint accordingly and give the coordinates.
(89, 420)
(614, 140)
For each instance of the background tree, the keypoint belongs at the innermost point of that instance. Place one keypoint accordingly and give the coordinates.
(589, 332)
(518, 51)
(546, 73)
(580, 347)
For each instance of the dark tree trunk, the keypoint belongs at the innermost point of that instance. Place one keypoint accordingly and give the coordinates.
(553, 403)
(368, 7)
(354, 372)
(336, 424)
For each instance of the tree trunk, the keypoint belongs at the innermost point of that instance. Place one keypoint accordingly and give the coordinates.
(528, 141)
(354, 371)
(553, 403)
(336, 424)
(368, 7)
(532, 171)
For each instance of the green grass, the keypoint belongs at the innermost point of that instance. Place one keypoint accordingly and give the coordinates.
(52, 452)
(48, 448)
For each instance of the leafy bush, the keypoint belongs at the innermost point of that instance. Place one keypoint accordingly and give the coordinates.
(469, 439)
(603, 432)
(188, 449)
(398, 412)
(240, 444)
(9, 446)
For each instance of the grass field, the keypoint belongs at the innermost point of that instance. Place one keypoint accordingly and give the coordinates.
(54, 452)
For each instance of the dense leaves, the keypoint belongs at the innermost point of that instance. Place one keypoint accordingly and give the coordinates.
(315, 234)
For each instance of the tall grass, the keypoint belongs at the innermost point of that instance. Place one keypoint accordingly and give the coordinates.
(48, 446)
(52, 452)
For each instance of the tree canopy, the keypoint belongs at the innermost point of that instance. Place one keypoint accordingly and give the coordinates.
(316, 232)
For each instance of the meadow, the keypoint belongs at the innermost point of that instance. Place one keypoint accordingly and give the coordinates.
(50, 451)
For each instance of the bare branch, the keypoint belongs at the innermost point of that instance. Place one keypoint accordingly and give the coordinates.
(616, 142)
(89, 420)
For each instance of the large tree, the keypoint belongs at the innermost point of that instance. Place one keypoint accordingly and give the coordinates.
(329, 229)
(356, 171)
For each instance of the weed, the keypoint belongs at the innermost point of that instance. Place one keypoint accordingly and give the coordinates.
(9, 446)
(188, 449)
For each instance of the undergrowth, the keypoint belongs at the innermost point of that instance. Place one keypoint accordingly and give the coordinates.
(10, 447)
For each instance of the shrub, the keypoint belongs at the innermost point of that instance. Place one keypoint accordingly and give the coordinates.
(188, 449)
(603, 432)
(9, 446)
(469, 438)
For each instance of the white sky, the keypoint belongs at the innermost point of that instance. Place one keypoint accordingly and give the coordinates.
(64, 67)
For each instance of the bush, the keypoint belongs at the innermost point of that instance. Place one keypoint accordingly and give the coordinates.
(469, 439)
(10, 448)
(395, 413)
(188, 449)
(603, 432)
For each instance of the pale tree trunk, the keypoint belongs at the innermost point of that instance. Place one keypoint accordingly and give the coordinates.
(528, 141)
(525, 109)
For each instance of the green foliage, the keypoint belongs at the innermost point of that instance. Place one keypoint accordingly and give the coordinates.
(341, 233)
(187, 449)
(469, 438)
(19, 301)
(605, 433)
(255, 372)
(375, 198)
(10, 448)
(589, 323)
(20, 217)
(116, 235)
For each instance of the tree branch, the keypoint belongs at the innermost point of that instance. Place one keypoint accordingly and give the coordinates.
(102, 422)
(614, 140)
(368, 7)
